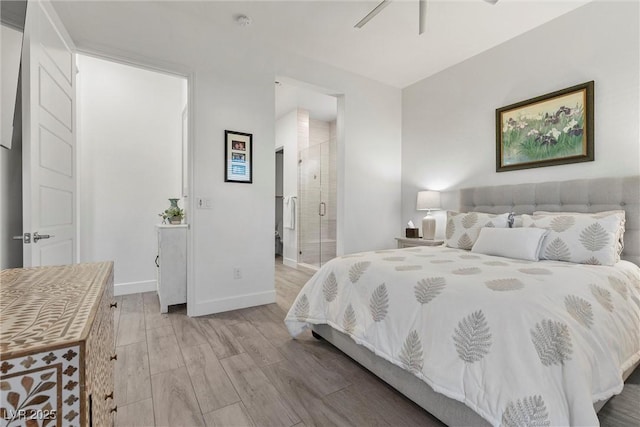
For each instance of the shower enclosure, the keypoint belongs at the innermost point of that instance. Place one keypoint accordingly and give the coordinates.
(317, 195)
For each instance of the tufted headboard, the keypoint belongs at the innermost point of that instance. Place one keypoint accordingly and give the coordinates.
(581, 195)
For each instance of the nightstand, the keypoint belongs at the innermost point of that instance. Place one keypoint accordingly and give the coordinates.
(406, 242)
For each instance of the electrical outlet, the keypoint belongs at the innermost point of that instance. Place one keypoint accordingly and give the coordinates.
(237, 274)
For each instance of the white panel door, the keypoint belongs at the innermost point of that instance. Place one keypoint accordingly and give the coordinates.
(49, 139)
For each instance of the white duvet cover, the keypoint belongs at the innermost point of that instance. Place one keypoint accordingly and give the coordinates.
(521, 343)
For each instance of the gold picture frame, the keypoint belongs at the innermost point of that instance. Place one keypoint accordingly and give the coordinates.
(552, 129)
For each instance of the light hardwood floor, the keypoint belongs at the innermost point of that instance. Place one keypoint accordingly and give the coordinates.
(241, 368)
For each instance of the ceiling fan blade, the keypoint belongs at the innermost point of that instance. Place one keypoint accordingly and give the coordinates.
(422, 16)
(374, 12)
(491, 1)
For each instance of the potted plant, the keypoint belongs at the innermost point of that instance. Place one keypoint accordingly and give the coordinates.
(173, 213)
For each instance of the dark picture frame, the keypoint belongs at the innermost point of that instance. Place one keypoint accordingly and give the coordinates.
(238, 155)
(552, 129)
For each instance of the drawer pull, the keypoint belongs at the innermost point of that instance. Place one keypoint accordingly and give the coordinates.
(113, 305)
(108, 396)
(114, 357)
(114, 409)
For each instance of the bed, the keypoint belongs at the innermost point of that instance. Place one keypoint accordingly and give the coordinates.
(478, 339)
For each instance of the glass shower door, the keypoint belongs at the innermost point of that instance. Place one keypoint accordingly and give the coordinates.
(309, 194)
(328, 199)
(317, 204)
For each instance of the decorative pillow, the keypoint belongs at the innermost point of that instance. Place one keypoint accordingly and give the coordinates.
(463, 228)
(619, 213)
(518, 243)
(580, 238)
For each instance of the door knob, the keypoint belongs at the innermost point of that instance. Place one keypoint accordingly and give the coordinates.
(37, 236)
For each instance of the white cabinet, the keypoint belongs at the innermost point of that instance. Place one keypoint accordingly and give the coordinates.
(172, 265)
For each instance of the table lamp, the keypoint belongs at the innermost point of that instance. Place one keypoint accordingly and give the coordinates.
(428, 200)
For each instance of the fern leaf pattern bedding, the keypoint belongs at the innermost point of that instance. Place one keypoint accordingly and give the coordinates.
(521, 343)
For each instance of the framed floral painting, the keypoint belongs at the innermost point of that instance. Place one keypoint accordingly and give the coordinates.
(552, 129)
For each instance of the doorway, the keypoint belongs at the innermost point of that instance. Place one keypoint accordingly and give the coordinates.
(306, 131)
(132, 125)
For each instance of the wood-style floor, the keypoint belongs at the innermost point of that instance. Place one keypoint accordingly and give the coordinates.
(241, 368)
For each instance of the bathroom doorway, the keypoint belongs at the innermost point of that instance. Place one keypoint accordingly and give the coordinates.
(306, 135)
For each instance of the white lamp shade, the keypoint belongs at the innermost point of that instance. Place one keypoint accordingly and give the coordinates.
(428, 200)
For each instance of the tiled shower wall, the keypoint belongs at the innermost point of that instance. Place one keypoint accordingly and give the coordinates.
(316, 183)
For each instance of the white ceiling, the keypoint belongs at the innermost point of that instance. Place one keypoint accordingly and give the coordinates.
(388, 49)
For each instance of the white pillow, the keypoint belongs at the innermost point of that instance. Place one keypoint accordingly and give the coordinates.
(518, 243)
(580, 238)
(620, 214)
(463, 228)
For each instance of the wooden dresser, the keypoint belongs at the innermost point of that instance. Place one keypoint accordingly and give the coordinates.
(57, 346)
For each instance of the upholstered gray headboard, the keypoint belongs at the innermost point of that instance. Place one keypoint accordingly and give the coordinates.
(581, 195)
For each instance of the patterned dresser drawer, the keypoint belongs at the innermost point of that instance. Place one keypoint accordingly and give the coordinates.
(100, 353)
(56, 344)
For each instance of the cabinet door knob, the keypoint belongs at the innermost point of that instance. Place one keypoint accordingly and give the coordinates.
(114, 409)
(114, 357)
(108, 396)
(113, 305)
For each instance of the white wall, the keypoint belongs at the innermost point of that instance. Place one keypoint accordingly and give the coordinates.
(287, 138)
(448, 123)
(10, 51)
(10, 160)
(238, 231)
(11, 205)
(129, 164)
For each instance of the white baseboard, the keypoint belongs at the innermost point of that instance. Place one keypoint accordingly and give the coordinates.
(232, 303)
(134, 287)
(290, 262)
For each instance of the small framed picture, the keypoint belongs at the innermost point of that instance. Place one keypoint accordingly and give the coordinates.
(238, 157)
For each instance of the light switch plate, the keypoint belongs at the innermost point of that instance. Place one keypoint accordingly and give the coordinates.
(204, 203)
